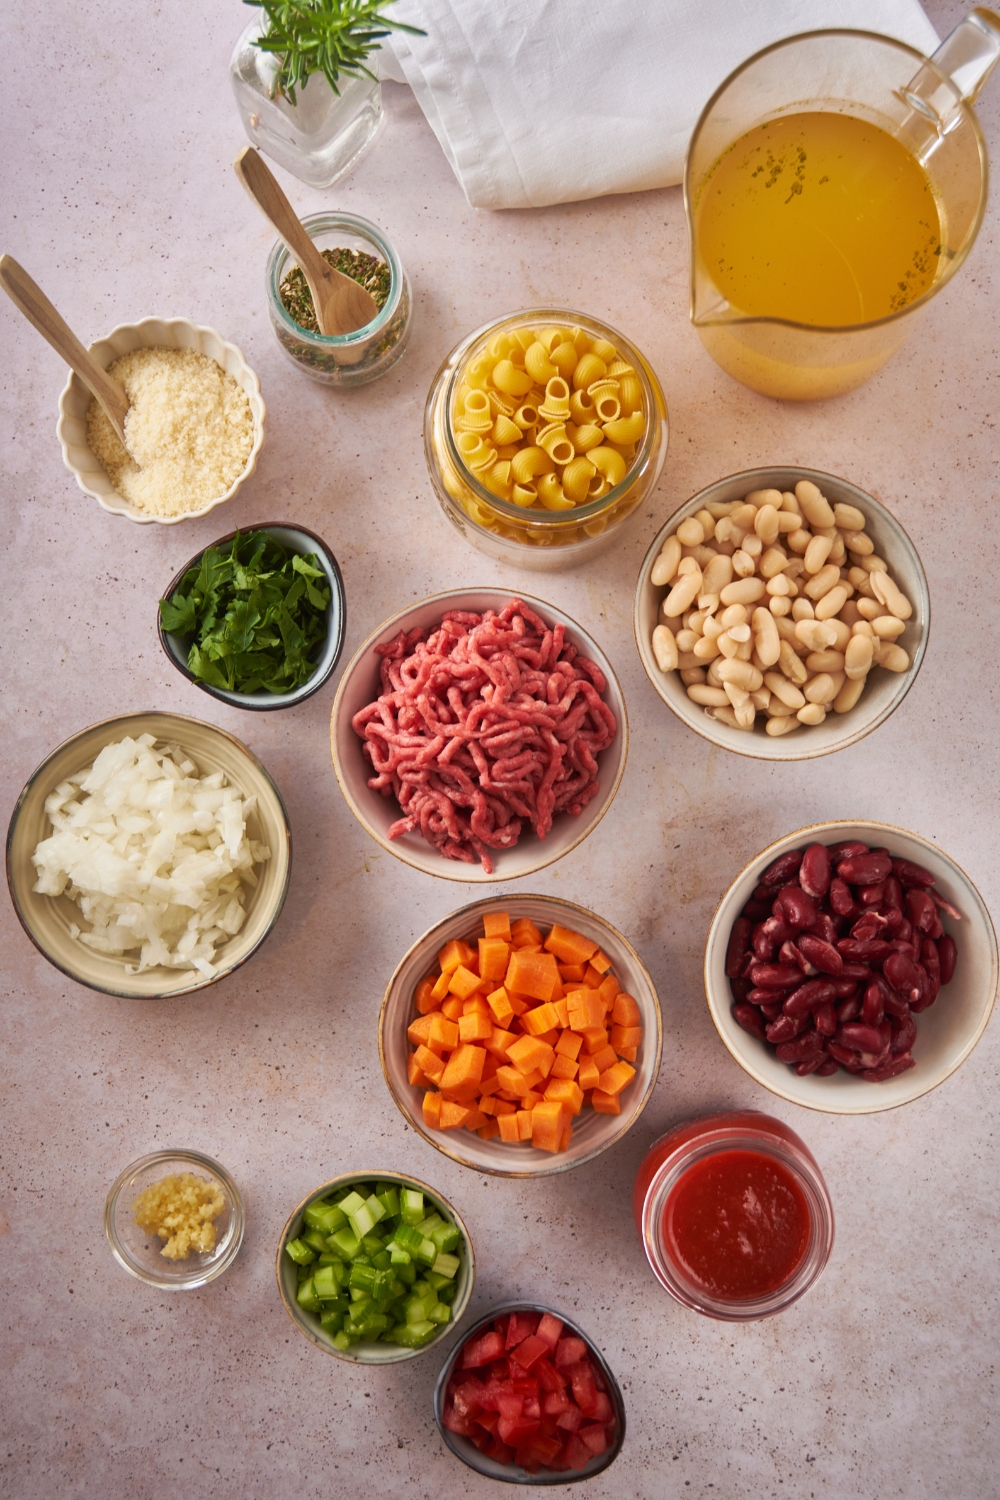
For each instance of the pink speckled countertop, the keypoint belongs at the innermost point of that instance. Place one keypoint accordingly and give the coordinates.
(119, 197)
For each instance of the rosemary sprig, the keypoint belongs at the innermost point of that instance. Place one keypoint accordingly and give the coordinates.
(323, 36)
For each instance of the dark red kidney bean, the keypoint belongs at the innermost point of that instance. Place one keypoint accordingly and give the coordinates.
(865, 928)
(825, 1018)
(946, 906)
(895, 1005)
(884, 1029)
(750, 1018)
(920, 909)
(890, 1069)
(738, 940)
(948, 956)
(864, 869)
(859, 1038)
(761, 996)
(763, 947)
(892, 917)
(820, 953)
(741, 989)
(857, 972)
(841, 899)
(813, 992)
(905, 929)
(893, 898)
(910, 949)
(763, 893)
(756, 911)
(797, 907)
(810, 1065)
(815, 871)
(747, 964)
(809, 1044)
(785, 1027)
(783, 869)
(871, 895)
(844, 987)
(825, 927)
(845, 1056)
(904, 1034)
(771, 1010)
(903, 975)
(931, 965)
(846, 851)
(874, 949)
(848, 1009)
(777, 930)
(776, 976)
(907, 873)
(828, 1068)
(873, 1006)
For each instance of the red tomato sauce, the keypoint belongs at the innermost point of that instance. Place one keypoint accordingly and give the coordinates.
(737, 1223)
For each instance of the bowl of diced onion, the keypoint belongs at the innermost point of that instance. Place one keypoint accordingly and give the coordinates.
(148, 855)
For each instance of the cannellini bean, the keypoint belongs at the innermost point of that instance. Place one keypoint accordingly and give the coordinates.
(718, 573)
(744, 650)
(720, 508)
(723, 531)
(743, 564)
(791, 664)
(802, 609)
(848, 517)
(744, 516)
(713, 679)
(838, 552)
(825, 661)
(813, 504)
(760, 699)
(858, 656)
(820, 689)
(702, 555)
(708, 523)
(764, 497)
(786, 692)
(725, 716)
(687, 660)
(815, 634)
(788, 522)
(863, 627)
(817, 552)
(736, 695)
(690, 533)
(779, 606)
(688, 565)
(740, 633)
(727, 645)
(848, 695)
(861, 581)
(686, 639)
(832, 602)
(895, 602)
(843, 633)
(776, 727)
(772, 563)
(708, 697)
(888, 627)
(767, 642)
(742, 591)
(779, 587)
(869, 609)
(683, 593)
(812, 713)
(692, 674)
(665, 566)
(713, 627)
(708, 602)
(733, 614)
(893, 658)
(696, 621)
(665, 649)
(857, 542)
(799, 540)
(706, 649)
(753, 546)
(823, 581)
(765, 522)
(850, 614)
(741, 673)
(790, 503)
(874, 564)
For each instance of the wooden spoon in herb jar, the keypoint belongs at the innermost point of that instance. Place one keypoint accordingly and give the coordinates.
(38, 310)
(341, 304)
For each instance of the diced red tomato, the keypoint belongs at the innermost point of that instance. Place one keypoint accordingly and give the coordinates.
(517, 1430)
(569, 1351)
(571, 1419)
(549, 1378)
(549, 1330)
(530, 1351)
(594, 1437)
(482, 1351)
(555, 1403)
(578, 1455)
(519, 1327)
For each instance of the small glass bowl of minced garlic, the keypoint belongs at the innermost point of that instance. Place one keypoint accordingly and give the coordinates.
(174, 1219)
(360, 250)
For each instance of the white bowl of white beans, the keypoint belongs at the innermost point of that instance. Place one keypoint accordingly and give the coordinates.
(853, 659)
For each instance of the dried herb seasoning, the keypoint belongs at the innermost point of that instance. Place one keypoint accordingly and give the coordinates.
(367, 270)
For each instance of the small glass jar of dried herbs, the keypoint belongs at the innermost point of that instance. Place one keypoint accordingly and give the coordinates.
(361, 250)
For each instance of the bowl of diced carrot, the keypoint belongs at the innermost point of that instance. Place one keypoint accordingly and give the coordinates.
(521, 1036)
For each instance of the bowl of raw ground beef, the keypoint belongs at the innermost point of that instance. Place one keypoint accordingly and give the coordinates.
(479, 735)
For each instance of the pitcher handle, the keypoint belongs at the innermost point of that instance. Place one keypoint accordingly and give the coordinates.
(967, 56)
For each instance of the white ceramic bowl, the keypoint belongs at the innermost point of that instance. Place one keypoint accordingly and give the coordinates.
(151, 333)
(375, 1353)
(884, 691)
(47, 919)
(592, 1133)
(360, 686)
(946, 1032)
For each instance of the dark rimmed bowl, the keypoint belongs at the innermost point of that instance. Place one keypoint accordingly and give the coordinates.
(491, 1468)
(297, 539)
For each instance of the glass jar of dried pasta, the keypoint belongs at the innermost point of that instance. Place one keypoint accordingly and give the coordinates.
(361, 250)
(543, 432)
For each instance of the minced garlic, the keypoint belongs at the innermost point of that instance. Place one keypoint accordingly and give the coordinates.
(189, 430)
(180, 1209)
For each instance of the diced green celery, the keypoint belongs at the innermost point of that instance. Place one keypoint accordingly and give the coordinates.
(416, 1334)
(306, 1296)
(407, 1274)
(359, 1295)
(302, 1273)
(398, 1256)
(418, 1308)
(326, 1217)
(373, 1243)
(313, 1238)
(446, 1265)
(325, 1283)
(341, 1341)
(347, 1242)
(388, 1195)
(435, 1279)
(332, 1321)
(428, 1252)
(351, 1203)
(383, 1260)
(411, 1205)
(439, 1313)
(431, 1222)
(448, 1292)
(300, 1252)
(408, 1237)
(362, 1221)
(375, 1207)
(363, 1276)
(446, 1237)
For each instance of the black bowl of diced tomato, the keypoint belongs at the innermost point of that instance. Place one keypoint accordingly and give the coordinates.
(527, 1398)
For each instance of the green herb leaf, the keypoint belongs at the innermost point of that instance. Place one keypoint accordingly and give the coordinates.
(323, 36)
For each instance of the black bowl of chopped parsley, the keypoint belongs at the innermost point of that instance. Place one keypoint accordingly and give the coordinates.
(258, 618)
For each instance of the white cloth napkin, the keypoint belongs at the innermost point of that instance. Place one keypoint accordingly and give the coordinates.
(549, 101)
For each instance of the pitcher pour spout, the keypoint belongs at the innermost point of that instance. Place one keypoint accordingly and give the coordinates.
(967, 58)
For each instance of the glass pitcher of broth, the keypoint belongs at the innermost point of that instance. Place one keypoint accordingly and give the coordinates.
(834, 183)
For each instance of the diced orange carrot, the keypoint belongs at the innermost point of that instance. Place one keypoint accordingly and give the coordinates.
(528, 947)
(440, 987)
(487, 1104)
(605, 1104)
(628, 1037)
(588, 1076)
(477, 1003)
(499, 1041)
(494, 955)
(513, 1081)
(626, 1012)
(562, 1010)
(453, 954)
(609, 990)
(533, 975)
(595, 1038)
(600, 961)
(584, 1009)
(523, 1118)
(616, 1078)
(465, 1065)
(524, 931)
(604, 1059)
(564, 1067)
(496, 924)
(489, 1130)
(477, 1120)
(429, 1063)
(531, 1098)
(528, 1053)
(424, 998)
(489, 1086)
(453, 1008)
(509, 1130)
(551, 1036)
(499, 1003)
(569, 1045)
(592, 978)
(564, 1091)
(572, 973)
(453, 1116)
(432, 1109)
(419, 1030)
(464, 982)
(415, 1075)
(546, 1125)
(571, 947)
(443, 1034)
(490, 1066)
(475, 1028)
(518, 1006)
(566, 1134)
(502, 1107)
(465, 1093)
(543, 1018)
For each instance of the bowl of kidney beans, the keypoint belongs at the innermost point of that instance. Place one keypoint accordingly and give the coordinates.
(851, 967)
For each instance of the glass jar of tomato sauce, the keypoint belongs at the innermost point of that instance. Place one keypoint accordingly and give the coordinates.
(734, 1215)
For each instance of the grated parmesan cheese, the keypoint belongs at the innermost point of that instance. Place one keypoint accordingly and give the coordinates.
(189, 430)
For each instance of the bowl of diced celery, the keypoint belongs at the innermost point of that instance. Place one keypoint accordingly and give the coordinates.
(375, 1268)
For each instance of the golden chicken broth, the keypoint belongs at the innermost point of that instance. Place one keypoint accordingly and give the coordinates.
(820, 218)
